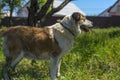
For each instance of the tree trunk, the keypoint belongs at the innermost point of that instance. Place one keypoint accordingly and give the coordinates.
(36, 15)
(32, 15)
(10, 18)
(11, 12)
(54, 10)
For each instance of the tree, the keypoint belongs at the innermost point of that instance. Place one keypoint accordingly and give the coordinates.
(34, 7)
(12, 5)
(37, 13)
(1, 7)
(34, 11)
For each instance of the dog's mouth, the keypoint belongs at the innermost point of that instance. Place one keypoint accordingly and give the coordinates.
(85, 28)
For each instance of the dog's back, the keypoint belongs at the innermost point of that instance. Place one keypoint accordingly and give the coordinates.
(34, 41)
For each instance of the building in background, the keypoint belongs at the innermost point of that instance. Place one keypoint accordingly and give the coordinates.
(113, 10)
(67, 10)
(6, 13)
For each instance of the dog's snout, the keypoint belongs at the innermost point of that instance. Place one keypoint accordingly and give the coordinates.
(87, 23)
(91, 24)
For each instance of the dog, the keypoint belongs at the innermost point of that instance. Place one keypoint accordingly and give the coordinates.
(51, 42)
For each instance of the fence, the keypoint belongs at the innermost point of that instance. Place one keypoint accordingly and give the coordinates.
(99, 22)
(104, 22)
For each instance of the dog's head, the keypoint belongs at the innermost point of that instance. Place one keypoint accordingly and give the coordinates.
(82, 21)
(76, 22)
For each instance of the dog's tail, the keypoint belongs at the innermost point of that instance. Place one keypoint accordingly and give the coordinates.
(2, 32)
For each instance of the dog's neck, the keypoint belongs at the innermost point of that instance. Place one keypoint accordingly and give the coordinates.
(67, 29)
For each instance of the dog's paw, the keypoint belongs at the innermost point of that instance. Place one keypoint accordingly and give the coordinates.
(58, 74)
(62, 77)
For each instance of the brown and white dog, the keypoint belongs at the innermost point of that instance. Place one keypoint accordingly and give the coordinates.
(41, 43)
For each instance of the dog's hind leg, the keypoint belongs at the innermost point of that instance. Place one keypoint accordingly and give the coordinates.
(11, 62)
(17, 60)
(6, 68)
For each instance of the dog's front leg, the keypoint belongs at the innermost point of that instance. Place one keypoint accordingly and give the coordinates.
(58, 68)
(54, 63)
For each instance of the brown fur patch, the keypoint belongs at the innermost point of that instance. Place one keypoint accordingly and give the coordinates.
(34, 41)
(81, 17)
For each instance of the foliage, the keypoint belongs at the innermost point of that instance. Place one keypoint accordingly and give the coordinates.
(1, 6)
(13, 4)
(1, 16)
(95, 56)
(42, 3)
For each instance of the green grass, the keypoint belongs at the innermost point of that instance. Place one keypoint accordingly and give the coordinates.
(95, 56)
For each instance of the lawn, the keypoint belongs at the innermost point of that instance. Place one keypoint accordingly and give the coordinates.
(95, 56)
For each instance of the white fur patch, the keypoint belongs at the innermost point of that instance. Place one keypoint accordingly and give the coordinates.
(63, 37)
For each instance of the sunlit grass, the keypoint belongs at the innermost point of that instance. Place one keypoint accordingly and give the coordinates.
(95, 56)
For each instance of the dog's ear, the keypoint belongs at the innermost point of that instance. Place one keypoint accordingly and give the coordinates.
(77, 16)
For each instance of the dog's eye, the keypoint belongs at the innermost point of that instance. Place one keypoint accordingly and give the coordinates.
(84, 19)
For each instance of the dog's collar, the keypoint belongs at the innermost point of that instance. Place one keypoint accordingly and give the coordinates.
(67, 29)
